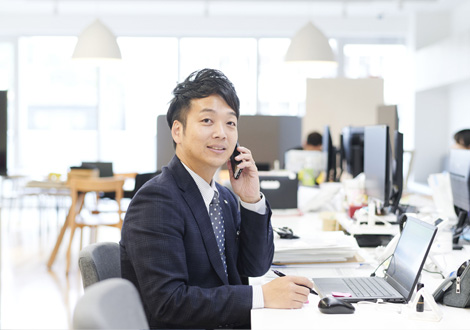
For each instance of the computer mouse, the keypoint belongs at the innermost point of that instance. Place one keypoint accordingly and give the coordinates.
(332, 305)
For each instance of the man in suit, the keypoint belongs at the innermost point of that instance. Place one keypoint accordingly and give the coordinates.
(187, 242)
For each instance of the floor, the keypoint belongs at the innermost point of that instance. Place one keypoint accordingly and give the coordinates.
(31, 296)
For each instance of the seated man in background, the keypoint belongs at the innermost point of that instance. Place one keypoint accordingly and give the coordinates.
(462, 139)
(187, 242)
(314, 142)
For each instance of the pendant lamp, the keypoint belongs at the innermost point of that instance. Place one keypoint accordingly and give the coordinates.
(309, 45)
(97, 42)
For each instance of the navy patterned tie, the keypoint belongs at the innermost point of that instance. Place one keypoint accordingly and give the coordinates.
(217, 220)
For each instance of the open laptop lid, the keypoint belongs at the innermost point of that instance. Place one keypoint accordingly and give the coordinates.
(410, 255)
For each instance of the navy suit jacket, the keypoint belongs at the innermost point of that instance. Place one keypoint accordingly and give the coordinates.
(169, 252)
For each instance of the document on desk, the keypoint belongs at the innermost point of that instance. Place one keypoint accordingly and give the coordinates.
(321, 247)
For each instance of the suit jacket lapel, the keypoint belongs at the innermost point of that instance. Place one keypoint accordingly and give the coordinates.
(195, 202)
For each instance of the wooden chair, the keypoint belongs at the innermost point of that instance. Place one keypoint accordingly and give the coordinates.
(80, 216)
(82, 173)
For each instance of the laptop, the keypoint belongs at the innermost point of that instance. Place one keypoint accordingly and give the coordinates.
(401, 276)
(280, 190)
(105, 168)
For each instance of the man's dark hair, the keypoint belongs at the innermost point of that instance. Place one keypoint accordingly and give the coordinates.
(314, 139)
(463, 138)
(200, 84)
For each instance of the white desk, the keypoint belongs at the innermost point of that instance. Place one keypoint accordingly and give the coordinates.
(366, 316)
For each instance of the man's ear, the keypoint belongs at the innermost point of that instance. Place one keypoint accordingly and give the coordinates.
(177, 131)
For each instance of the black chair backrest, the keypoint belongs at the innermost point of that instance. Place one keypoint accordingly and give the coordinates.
(141, 178)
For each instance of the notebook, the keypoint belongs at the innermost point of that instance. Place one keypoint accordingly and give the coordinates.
(400, 277)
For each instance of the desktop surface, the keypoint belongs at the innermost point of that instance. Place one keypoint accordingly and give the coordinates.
(367, 315)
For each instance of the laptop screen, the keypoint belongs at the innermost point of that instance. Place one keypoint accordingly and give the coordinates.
(410, 255)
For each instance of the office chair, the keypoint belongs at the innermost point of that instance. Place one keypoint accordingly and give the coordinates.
(140, 179)
(98, 262)
(110, 304)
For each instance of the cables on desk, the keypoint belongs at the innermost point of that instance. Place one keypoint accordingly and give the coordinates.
(375, 270)
(383, 305)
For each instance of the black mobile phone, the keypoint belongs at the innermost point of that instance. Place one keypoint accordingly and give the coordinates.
(236, 171)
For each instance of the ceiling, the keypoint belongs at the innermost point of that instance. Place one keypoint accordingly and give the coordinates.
(258, 8)
(389, 18)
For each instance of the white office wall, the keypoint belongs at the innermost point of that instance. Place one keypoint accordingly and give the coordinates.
(459, 18)
(432, 27)
(431, 133)
(459, 106)
(459, 94)
(442, 87)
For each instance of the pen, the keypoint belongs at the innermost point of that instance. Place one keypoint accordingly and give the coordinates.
(280, 274)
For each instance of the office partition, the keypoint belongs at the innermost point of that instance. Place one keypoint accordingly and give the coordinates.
(341, 102)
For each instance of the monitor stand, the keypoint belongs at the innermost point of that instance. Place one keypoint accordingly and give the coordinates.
(369, 218)
(369, 229)
(463, 215)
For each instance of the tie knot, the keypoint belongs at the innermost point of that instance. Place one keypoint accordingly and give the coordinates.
(215, 199)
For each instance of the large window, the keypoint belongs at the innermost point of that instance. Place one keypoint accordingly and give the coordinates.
(235, 57)
(75, 111)
(387, 61)
(281, 91)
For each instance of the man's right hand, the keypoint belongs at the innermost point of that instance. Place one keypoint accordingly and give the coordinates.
(286, 292)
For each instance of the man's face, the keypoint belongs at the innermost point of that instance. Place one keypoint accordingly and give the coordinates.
(209, 137)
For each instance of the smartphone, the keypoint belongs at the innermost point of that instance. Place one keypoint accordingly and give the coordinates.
(236, 171)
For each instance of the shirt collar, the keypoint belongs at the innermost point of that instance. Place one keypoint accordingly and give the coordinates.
(206, 190)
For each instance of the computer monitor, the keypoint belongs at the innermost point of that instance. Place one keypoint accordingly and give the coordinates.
(3, 132)
(377, 163)
(397, 188)
(353, 149)
(295, 160)
(329, 154)
(384, 173)
(459, 170)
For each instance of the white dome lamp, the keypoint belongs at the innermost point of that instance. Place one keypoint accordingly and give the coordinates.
(97, 42)
(309, 45)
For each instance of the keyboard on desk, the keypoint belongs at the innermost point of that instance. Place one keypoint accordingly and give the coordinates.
(367, 287)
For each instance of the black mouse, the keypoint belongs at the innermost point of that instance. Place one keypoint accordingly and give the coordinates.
(332, 305)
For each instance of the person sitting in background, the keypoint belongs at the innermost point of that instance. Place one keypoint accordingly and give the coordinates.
(462, 139)
(314, 142)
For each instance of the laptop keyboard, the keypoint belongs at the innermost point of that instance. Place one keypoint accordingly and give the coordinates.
(366, 287)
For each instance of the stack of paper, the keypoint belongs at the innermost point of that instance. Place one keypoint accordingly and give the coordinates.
(328, 246)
